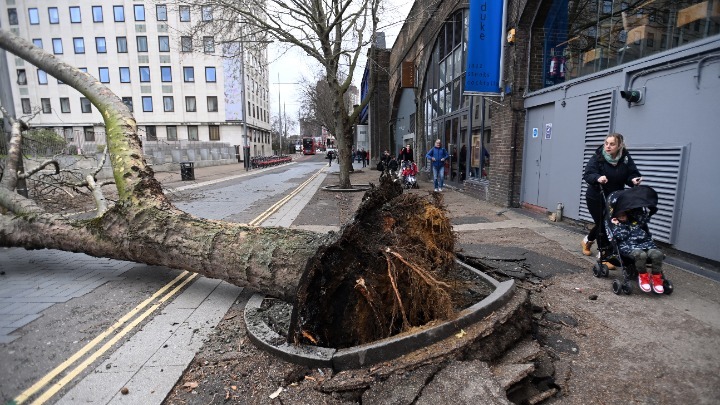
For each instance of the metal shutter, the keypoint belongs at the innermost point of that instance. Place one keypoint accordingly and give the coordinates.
(597, 127)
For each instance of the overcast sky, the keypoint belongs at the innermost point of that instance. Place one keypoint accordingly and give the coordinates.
(289, 67)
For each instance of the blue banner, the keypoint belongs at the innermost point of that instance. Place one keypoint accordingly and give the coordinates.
(485, 38)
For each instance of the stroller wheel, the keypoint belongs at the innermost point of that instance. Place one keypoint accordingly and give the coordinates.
(668, 286)
(600, 270)
(617, 286)
(627, 288)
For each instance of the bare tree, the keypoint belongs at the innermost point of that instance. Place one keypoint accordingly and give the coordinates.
(335, 34)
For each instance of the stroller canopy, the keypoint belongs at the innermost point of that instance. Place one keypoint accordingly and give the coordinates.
(632, 198)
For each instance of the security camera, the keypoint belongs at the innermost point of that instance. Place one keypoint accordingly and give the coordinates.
(632, 96)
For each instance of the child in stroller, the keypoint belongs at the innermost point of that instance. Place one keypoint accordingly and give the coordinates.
(627, 241)
(408, 173)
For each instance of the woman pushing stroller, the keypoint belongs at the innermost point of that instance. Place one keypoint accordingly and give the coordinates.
(610, 169)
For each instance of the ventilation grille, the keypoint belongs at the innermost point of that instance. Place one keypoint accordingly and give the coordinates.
(661, 168)
(597, 126)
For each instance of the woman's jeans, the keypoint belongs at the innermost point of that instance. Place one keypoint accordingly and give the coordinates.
(438, 176)
(641, 256)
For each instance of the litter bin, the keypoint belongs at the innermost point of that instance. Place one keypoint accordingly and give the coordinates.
(187, 170)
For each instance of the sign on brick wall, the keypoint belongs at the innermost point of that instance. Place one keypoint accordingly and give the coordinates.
(485, 39)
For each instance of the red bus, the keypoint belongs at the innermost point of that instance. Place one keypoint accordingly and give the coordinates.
(308, 146)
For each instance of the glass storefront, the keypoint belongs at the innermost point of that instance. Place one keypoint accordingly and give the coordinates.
(446, 110)
(584, 37)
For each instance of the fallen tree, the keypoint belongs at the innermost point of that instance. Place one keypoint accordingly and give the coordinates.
(397, 278)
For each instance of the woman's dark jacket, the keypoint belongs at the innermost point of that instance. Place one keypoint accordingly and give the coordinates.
(618, 176)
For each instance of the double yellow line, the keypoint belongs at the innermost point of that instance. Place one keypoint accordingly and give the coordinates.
(265, 215)
(179, 282)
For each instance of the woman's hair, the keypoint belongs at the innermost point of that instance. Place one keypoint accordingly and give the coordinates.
(618, 138)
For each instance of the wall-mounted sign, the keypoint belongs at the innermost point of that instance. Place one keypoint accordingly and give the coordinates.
(535, 132)
(548, 131)
(485, 39)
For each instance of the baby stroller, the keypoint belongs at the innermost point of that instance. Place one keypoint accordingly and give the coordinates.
(636, 198)
(408, 175)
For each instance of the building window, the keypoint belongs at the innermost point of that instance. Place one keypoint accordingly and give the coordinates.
(38, 42)
(119, 13)
(121, 44)
(207, 13)
(53, 15)
(100, 45)
(210, 74)
(57, 46)
(190, 105)
(142, 45)
(212, 104)
(21, 77)
(42, 77)
(189, 73)
(151, 132)
(104, 74)
(186, 44)
(26, 108)
(12, 16)
(144, 73)
(64, 104)
(85, 105)
(192, 132)
(75, 14)
(164, 43)
(147, 103)
(34, 16)
(165, 73)
(124, 75)
(184, 13)
(139, 10)
(89, 134)
(208, 44)
(128, 102)
(79, 45)
(171, 133)
(161, 12)
(46, 107)
(214, 132)
(168, 104)
(97, 13)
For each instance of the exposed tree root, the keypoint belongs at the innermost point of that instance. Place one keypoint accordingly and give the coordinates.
(387, 273)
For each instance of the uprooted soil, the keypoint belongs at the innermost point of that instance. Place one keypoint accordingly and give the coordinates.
(388, 272)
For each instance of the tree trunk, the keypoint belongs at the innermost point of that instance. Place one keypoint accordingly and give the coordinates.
(144, 226)
(269, 260)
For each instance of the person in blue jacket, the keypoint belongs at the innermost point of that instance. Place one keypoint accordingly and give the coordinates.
(437, 156)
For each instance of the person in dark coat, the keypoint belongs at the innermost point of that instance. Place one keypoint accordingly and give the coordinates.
(406, 153)
(611, 168)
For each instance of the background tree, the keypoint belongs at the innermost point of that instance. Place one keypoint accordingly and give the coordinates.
(335, 34)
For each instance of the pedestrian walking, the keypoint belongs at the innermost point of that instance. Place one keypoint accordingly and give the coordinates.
(437, 156)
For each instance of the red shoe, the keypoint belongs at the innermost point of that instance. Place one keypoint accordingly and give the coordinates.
(644, 282)
(657, 283)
